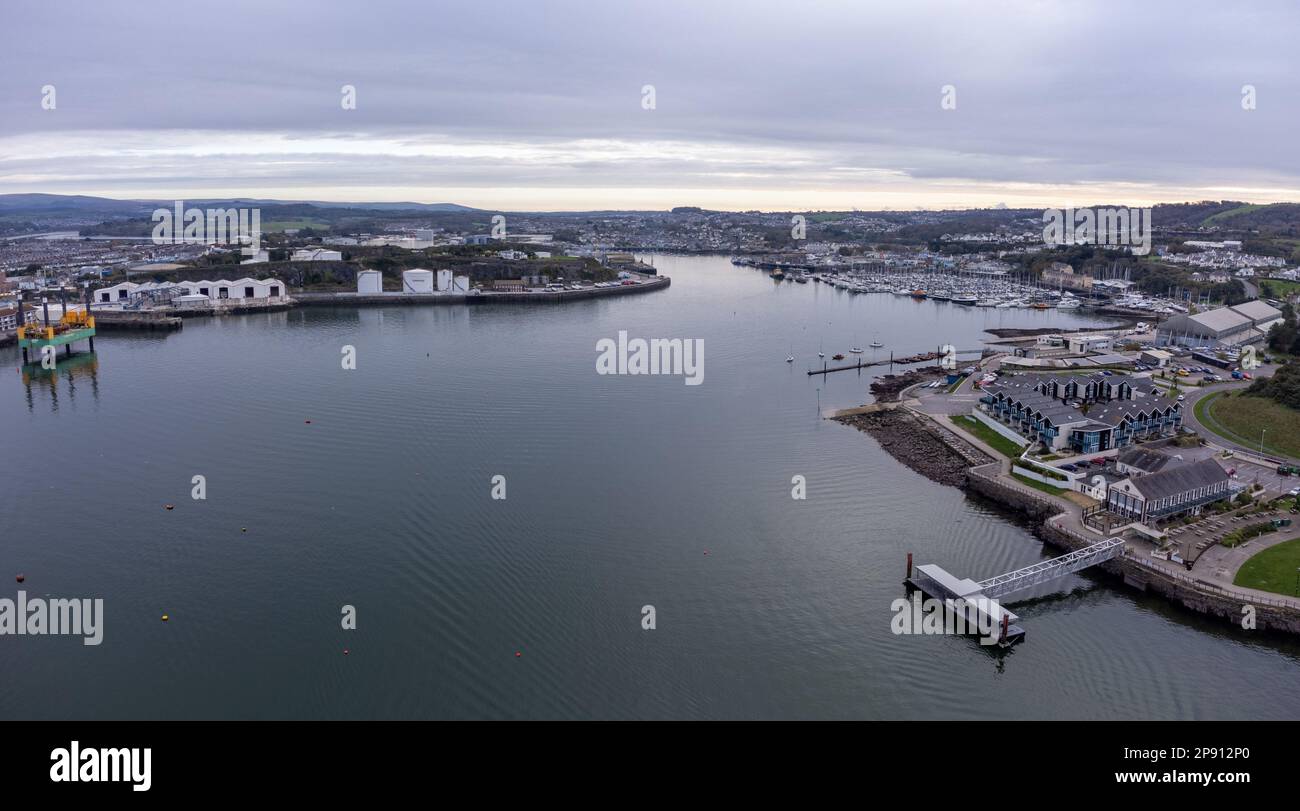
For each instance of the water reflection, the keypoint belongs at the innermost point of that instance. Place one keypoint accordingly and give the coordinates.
(70, 373)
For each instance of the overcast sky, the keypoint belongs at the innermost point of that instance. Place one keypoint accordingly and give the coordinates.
(539, 105)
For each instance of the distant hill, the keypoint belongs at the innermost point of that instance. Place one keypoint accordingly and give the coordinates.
(47, 204)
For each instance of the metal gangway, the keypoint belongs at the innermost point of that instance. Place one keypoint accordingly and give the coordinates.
(1090, 555)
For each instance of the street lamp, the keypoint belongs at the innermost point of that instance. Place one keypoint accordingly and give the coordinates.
(1261, 440)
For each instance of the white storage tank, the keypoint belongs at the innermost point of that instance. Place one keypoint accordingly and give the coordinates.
(417, 281)
(460, 285)
(444, 281)
(370, 282)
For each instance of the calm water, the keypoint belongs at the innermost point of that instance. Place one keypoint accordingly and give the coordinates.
(617, 487)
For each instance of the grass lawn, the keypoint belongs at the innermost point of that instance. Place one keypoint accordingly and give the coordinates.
(1278, 288)
(1241, 420)
(995, 440)
(1273, 570)
(1037, 485)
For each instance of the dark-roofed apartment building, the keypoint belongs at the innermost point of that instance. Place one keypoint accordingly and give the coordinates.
(1115, 417)
(1175, 491)
(1136, 461)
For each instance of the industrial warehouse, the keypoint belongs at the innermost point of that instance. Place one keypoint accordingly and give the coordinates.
(202, 294)
(1220, 328)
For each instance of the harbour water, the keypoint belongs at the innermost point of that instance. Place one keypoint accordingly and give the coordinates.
(621, 492)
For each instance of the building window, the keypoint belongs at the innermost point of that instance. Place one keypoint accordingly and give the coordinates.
(203, 291)
(248, 292)
(223, 292)
(104, 297)
(275, 291)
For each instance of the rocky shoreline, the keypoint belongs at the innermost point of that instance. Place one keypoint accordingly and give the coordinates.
(915, 444)
(886, 388)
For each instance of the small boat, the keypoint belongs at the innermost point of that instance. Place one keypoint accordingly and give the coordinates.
(838, 356)
(918, 294)
(857, 350)
(964, 298)
(802, 278)
(820, 353)
(789, 358)
(876, 344)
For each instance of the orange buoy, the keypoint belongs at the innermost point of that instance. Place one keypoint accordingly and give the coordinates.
(518, 654)
(21, 578)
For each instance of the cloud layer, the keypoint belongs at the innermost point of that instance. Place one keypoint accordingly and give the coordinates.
(757, 105)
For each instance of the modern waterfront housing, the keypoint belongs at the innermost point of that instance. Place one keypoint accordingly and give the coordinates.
(1082, 414)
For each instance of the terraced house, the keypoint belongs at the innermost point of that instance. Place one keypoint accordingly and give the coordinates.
(1083, 414)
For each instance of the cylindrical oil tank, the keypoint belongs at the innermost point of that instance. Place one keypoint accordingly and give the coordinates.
(417, 281)
(370, 282)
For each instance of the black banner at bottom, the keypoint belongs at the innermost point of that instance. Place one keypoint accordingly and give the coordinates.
(214, 760)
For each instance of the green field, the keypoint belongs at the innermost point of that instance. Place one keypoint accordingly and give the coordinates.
(1278, 288)
(1230, 213)
(998, 442)
(1241, 420)
(283, 225)
(1273, 570)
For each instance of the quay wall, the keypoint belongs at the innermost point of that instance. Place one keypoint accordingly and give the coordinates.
(314, 299)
